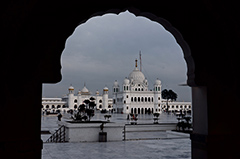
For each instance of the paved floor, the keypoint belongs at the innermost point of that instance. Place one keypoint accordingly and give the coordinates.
(169, 145)
(142, 149)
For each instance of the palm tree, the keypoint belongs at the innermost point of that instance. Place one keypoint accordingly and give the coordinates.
(169, 95)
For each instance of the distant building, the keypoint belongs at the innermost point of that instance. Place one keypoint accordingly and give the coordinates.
(135, 96)
(72, 100)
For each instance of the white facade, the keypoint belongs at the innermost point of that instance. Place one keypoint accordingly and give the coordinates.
(72, 100)
(135, 97)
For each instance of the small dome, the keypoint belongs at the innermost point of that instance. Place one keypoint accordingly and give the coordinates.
(97, 93)
(105, 89)
(71, 88)
(84, 90)
(126, 81)
(115, 84)
(158, 82)
(79, 92)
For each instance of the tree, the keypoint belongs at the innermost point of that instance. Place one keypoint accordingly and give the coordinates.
(169, 95)
(85, 110)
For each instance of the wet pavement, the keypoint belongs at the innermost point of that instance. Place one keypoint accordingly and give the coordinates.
(153, 144)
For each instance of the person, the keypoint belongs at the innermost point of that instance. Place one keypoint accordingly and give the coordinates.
(59, 116)
(128, 117)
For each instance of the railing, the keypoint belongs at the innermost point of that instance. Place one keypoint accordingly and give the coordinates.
(58, 136)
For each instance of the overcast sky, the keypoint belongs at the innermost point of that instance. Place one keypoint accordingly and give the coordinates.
(104, 49)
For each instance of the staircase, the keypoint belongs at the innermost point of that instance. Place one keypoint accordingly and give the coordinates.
(58, 136)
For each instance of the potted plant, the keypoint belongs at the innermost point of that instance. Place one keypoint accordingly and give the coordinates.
(107, 116)
(155, 118)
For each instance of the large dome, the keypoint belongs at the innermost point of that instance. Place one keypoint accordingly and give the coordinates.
(136, 75)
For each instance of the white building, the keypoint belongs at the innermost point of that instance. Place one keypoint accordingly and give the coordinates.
(134, 96)
(72, 100)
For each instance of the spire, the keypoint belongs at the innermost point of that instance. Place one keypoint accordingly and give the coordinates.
(140, 58)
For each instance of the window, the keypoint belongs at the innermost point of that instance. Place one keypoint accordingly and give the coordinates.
(142, 89)
(75, 101)
(135, 89)
(142, 99)
(100, 101)
(152, 99)
(100, 106)
(131, 99)
(138, 99)
(124, 88)
(148, 99)
(114, 89)
(127, 96)
(158, 88)
(127, 107)
(135, 99)
(145, 99)
(138, 89)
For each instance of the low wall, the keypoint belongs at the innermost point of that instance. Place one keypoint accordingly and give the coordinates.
(89, 132)
(151, 127)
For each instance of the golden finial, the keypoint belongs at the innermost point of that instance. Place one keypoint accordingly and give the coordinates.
(136, 62)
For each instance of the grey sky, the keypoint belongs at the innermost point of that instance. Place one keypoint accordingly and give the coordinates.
(104, 49)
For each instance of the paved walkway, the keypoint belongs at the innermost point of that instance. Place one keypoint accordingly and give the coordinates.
(139, 149)
(152, 145)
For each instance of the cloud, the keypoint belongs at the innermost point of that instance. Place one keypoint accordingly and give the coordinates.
(104, 49)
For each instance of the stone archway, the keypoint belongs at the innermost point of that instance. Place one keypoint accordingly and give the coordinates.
(42, 27)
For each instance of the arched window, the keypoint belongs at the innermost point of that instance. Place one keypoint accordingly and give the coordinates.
(135, 89)
(114, 90)
(142, 89)
(100, 101)
(75, 106)
(53, 106)
(142, 100)
(100, 106)
(138, 99)
(148, 99)
(109, 106)
(138, 89)
(131, 99)
(145, 99)
(75, 101)
(135, 99)
(59, 106)
(152, 99)
(47, 106)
